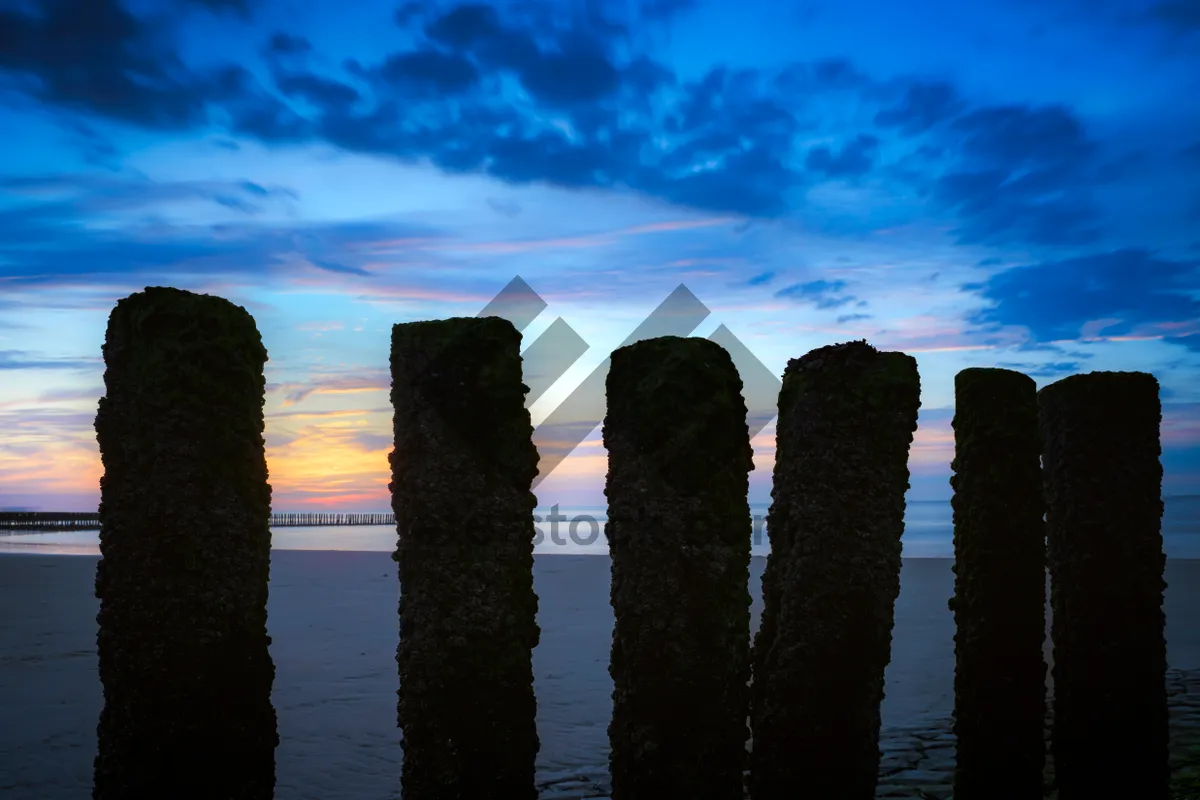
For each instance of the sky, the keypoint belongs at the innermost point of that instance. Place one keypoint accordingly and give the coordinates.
(1003, 183)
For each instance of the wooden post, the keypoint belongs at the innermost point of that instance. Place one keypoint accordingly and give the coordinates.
(185, 554)
(462, 468)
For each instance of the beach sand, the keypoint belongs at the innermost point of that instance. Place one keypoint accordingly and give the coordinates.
(333, 621)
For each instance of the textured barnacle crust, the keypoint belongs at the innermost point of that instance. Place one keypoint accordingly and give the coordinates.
(462, 468)
(847, 414)
(1103, 486)
(999, 587)
(679, 534)
(185, 553)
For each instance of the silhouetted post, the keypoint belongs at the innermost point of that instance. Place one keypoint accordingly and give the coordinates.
(679, 534)
(999, 598)
(462, 469)
(847, 414)
(185, 551)
(1103, 484)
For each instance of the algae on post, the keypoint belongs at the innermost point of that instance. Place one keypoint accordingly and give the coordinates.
(999, 598)
(847, 414)
(185, 553)
(679, 535)
(462, 468)
(1103, 484)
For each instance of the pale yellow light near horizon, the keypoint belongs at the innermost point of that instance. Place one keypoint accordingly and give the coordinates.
(321, 456)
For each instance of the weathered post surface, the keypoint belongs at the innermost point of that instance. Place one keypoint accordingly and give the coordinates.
(999, 598)
(679, 534)
(185, 553)
(847, 414)
(462, 468)
(1103, 485)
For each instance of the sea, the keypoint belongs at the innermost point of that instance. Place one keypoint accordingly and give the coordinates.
(579, 529)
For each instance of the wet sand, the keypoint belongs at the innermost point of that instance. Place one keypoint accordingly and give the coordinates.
(333, 621)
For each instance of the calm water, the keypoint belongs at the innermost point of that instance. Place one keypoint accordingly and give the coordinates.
(928, 533)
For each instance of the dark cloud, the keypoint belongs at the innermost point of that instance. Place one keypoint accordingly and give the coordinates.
(1053, 369)
(47, 241)
(288, 45)
(257, 189)
(79, 195)
(235, 203)
(477, 28)
(560, 94)
(852, 318)
(724, 121)
(242, 7)
(429, 73)
(762, 279)
(995, 208)
(578, 78)
(753, 182)
(1054, 300)
(321, 92)
(1191, 341)
(96, 56)
(576, 70)
(96, 148)
(827, 74)
(1024, 174)
(334, 266)
(1182, 15)
(821, 294)
(924, 105)
(248, 110)
(1025, 136)
(464, 26)
(854, 159)
(1046, 347)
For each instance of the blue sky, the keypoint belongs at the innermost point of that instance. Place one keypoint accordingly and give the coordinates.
(1007, 184)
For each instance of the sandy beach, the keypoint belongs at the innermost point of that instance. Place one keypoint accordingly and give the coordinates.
(334, 627)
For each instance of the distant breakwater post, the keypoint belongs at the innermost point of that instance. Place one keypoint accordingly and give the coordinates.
(185, 554)
(319, 519)
(48, 521)
(999, 598)
(847, 414)
(679, 534)
(462, 471)
(1103, 485)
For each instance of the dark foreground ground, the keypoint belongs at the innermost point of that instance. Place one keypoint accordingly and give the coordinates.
(333, 620)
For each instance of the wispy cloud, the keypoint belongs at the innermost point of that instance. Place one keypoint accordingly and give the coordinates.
(23, 359)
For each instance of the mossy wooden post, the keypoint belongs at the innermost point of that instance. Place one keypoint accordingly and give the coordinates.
(1103, 485)
(999, 598)
(679, 534)
(185, 551)
(847, 414)
(462, 468)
